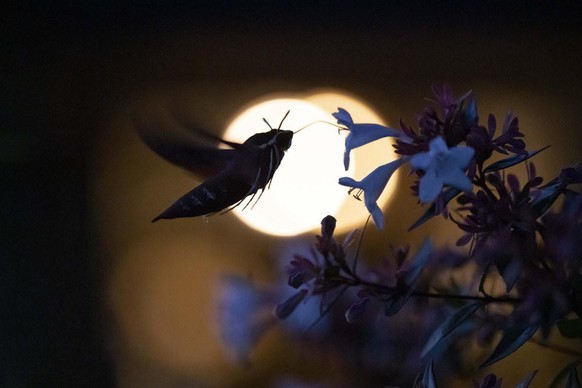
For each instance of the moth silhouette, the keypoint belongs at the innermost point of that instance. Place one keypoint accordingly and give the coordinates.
(231, 175)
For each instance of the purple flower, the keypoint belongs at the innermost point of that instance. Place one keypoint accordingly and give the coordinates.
(500, 224)
(545, 300)
(361, 134)
(373, 185)
(441, 166)
(245, 315)
(450, 117)
(489, 381)
(302, 270)
(510, 134)
(325, 243)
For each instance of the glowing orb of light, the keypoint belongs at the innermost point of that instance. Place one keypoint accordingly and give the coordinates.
(305, 187)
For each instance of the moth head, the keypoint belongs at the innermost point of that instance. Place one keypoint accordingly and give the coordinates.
(278, 137)
(283, 139)
(274, 138)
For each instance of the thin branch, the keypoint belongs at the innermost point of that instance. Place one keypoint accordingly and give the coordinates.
(486, 299)
(360, 240)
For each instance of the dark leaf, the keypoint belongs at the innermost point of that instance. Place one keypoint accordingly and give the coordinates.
(357, 310)
(527, 380)
(512, 161)
(396, 302)
(454, 321)
(563, 374)
(284, 309)
(552, 190)
(449, 194)
(570, 328)
(417, 264)
(544, 203)
(512, 339)
(573, 380)
(428, 377)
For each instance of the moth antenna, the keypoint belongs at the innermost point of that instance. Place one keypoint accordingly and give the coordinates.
(339, 127)
(266, 122)
(283, 119)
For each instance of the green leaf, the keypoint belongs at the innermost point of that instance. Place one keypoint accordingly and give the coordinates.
(512, 339)
(460, 316)
(570, 328)
(512, 161)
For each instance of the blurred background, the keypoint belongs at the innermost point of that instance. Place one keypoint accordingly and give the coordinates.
(92, 293)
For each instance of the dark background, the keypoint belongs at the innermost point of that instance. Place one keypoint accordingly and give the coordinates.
(65, 67)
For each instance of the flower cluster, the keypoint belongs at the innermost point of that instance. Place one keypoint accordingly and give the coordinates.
(435, 153)
(521, 233)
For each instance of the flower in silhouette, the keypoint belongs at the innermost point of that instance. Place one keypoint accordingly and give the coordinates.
(361, 134)
(372, 186)
(441, 166)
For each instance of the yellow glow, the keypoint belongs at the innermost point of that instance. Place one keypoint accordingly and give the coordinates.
(305, 187)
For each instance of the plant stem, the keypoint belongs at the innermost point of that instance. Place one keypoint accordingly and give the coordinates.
(486, 299)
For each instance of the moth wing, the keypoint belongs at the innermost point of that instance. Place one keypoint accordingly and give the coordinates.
(194, 149)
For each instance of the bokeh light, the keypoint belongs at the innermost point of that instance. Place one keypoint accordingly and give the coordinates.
(305, 187)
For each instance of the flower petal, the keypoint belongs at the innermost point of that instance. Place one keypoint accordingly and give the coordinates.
(377, 215)
(373, 185)
(458, 179)
(429, 187)
(442, 165)
(361, 134)
(343, 117)
(349, 182)
(461, 155)
(437, 145)
(422, 160)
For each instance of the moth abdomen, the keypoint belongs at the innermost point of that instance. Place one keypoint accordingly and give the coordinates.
(212, 196)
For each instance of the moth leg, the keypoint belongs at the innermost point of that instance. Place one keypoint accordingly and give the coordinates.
(272, 166)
